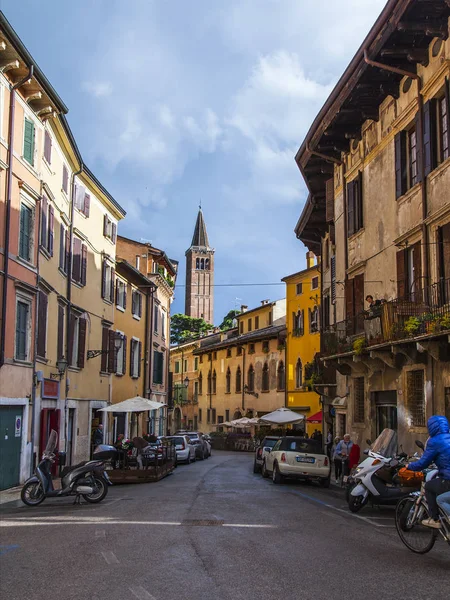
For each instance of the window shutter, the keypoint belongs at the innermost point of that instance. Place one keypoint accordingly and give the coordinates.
(44, 219)
(87, 205)
(139, 358)
(51, 230)
(71, 335)
(113, 232)
(133, 303)
(124, 367)
(42, 323)
(333, 279)
(419, 136)
(60, 346)
(65, 179)
(62, 247)
(400, 164)
(125, 295)
(47, 147)
(132, 374)
(105, 225)
(140, 304)
(349, 299)
(350, 208)
(116, 297)
(81, 342)
(445, 269)
(84, 258)
(417, 259)
(76, 262)
(329, 211)
(401, 257)
(28, 141)
(104, 279)
(113, 278)
(105, 345)
(359, 210)
(359, 300)
(429, 135)
(446, 141)
(112, 354)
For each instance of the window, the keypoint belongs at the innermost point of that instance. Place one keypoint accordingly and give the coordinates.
(23, 312)
(241, 327)
(28, 141)
(239, 351)
(25, 232)
(214, 382)
(208, 415)
(121, 357)
(281, 376)
(60, 342)
(270, 318)
(136, 304)
(177, 366)
(196, 363)
(185, 365)
(209, 383)
(65, 180)
(215, 355)
(265, 346)
(358, 400)
(354, 206)
(109, 229)
(256, 322)
(77, 341)
(79, 262)
(354, 304)
(47, 147)
(201, 358)
(200, 415)
(219, 419)
(47, 226)
(228, 382)
(409, 272)
(238, 381)
(155, 319)
(213, 416)
(108, 280)
(314, 319)
(135, 358)
(251, 379)
(265, 378)
(416, 398)
(251, 348)
(407, 159)
(299, 289)
(64, 248)
(200, 384)
(82, 199)
(163, 324)
(443, 262)
(315, 283)
(412, 157)
(227, 414)
(298, 320)
(121, 294)
(443, 128)
(228, 352)
(195, 391)
(158, 367)
(42, 324)
(249, 325)
(298, 374)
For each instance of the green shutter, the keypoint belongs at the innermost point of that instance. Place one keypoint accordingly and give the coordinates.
(24, 238)
(28, 141)
(21, 330)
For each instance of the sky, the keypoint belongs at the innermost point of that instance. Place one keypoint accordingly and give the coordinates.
(176, 102)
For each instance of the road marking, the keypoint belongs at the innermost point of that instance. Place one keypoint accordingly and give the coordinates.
(254, 526)
(141, 593)
(33, 521)
(110, 558)
(100, 533)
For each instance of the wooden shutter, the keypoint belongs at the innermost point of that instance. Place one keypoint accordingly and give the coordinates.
(139, 358)
(113, 278)
(28, 142)
(112, 354)
(349, 298)
(65, 179)
(116, 295)
(71, 336)
(60, 348)
(329, 211)
(105, 225)
(105, 346)
(429, 136)
(104, 279)
(42, 323)
(81, 342)
(47, 147)
(113, 232)
(51, 229)
(132, 358)
(76, 262)
(67, 256)
(400, 164)
(359, 210)
(124, 342)
(44, 220)
(333, 279)
(84, 258)
(350, 208)
(417, 260)
(401, 274)
(87, 205)
(446, 139)
(62, 248)
(133, 303)
(419, 136)
(445, 235)
(359, 301)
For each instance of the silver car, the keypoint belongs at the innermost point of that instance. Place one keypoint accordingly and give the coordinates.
(184, 448)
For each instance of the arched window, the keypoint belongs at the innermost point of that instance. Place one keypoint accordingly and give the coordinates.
(207, 264)
(214, 382)
(238, 380)
(197, 263)
(228, 383)
(265, 378)
(251, 379)
(202, 264)
(298, 374)
(200, 384)
(298, 323)
(209, 382)
(281, 376)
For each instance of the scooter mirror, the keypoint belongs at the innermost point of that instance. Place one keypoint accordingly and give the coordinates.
(369, 442)
(420, 444)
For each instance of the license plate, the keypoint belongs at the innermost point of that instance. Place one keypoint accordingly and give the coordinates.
(305, 459)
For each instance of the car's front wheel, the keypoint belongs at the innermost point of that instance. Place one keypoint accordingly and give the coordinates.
(255, 467)
(276, 475)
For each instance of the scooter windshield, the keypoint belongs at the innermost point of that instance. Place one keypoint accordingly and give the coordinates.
(51, 444)
(386, 443)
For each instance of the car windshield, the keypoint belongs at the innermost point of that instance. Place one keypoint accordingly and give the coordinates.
(193, 436)
(178, 440)
(386, 443)
(269, 443)
(303, 445)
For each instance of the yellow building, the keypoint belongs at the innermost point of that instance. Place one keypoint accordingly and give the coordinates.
(303, 340)
(184, 372)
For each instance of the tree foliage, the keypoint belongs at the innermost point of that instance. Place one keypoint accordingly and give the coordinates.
(184, 328)
(227, 322)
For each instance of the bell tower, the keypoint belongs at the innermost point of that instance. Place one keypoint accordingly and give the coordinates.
(200, 274)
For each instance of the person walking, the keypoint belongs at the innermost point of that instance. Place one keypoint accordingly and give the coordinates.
(336, 459)
(98, 435)
(343, 450)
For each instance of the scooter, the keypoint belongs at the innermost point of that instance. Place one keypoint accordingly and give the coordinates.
(376, 478)
(87, 479)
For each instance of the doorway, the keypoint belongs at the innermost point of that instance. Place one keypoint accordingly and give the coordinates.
(10, 445)
(386, 410)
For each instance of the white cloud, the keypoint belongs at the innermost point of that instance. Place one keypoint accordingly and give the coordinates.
(98, 89)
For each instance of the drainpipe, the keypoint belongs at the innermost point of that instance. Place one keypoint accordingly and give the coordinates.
(404, 73)
(243, 381)
(9, 175)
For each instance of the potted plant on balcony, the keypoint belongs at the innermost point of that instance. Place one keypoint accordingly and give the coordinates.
(430, 323)
(445, 322)
(359, 345)
(412, 326)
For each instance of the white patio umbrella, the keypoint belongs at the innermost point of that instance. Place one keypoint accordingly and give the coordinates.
(136, 404)
(282, 416)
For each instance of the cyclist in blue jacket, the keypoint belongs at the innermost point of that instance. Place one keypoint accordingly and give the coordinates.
(437, 451)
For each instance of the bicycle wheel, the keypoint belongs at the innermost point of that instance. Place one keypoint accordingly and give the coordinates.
(408, 521)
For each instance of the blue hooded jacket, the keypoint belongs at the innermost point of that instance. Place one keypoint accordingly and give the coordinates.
(437, 448)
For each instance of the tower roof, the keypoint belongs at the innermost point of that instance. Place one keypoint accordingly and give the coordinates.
(200, 237)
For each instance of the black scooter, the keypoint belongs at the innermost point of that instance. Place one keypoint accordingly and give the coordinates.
(87, 479)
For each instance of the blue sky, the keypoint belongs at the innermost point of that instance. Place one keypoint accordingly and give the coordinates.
(175, 101)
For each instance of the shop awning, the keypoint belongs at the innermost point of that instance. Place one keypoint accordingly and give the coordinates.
(317, 418)
(136, 404)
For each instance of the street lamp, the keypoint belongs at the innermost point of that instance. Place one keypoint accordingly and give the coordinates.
(61, 365)
(117, 343)
(186, 382)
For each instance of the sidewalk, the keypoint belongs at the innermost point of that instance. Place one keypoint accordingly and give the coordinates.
(10, 495)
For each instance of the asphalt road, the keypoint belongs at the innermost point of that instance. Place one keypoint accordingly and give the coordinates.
(213, 531)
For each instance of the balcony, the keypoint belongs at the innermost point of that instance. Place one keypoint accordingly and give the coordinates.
(426, 313)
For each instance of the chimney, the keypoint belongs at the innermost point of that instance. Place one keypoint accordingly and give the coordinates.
(310, 259)
(264, 302)
(244, 308)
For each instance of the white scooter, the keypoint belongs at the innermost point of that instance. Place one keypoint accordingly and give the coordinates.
(375, 477)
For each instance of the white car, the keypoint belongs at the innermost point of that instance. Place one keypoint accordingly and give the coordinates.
(184, 448)
(297, 457)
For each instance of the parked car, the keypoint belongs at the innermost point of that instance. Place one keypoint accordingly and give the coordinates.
(208, 444)
(299, 458)
(184, 449)
(201, 447)
(263, 450)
